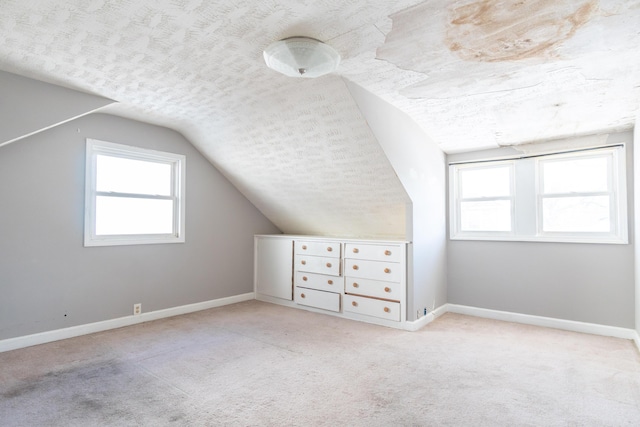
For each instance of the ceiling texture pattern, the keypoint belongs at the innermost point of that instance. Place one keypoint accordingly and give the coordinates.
(473, 74)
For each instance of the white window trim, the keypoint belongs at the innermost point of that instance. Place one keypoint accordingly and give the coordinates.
(521, 207)
(95, 147)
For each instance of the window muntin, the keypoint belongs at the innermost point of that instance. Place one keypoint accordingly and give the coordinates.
(133, 195)
(569, 197)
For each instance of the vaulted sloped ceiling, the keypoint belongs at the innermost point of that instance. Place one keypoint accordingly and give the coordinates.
(471, 73)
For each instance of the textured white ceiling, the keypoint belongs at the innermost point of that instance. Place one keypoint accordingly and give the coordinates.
(473, 74)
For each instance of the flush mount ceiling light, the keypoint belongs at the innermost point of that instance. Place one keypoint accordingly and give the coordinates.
(301, 57)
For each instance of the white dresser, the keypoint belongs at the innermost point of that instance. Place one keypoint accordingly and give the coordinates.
(317, 276)
(375, 280)
(358, 279)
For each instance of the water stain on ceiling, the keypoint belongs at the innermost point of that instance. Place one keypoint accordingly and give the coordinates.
(500, 72)
(494, 30)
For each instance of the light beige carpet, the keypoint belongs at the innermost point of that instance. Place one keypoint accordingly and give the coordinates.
(254, 364)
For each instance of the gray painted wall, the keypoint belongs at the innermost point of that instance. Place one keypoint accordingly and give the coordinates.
(591, 283)
(420, 166)
(48, 280)
(28, 106)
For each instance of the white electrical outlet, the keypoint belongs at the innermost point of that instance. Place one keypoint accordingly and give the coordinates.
(137, 309)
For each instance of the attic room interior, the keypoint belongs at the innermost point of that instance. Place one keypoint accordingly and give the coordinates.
(438, 230)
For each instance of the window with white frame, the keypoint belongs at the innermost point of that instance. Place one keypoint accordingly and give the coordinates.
(577, 196)
(133, 195)
(485, 202)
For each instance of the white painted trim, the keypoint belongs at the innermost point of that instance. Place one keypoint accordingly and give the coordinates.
(278, 301)
(61, 122)
(90, 328)
(412, 326)
(547, 322)
(415, 325)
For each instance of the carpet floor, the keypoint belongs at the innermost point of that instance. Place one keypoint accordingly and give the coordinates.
(258, 364)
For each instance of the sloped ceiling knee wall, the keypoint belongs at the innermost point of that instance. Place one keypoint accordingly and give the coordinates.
(304, 156)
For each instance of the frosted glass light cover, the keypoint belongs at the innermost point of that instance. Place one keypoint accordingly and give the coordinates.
(301, 57)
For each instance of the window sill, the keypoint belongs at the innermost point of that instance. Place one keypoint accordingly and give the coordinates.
(131, 240)
(613, 240)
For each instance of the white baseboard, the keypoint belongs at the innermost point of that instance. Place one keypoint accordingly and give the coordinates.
(90, 328)
(74, 331)
(548, 322)
(426, 319)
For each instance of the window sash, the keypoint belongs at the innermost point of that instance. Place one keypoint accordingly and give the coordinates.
(177, 191)
(528, 199)
(459, 200)
(610, 156)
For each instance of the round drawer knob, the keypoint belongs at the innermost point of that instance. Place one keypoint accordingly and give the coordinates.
(386, 309)
(304, 278)
(328, 265)
(353, 303)
(387, 270)
(355, 250)
(303, 262)
(355, 285)
(355, 267)
(304, 247)
(387, 253)
(329, 249)
(330, 282)
(387, 289)
(303, 296)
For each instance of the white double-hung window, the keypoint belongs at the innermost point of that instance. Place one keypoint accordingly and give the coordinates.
(485, 198)
(133, 195)
(577, 196)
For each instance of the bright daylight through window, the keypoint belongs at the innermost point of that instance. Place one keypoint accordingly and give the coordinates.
(577, 196)
(133, 195)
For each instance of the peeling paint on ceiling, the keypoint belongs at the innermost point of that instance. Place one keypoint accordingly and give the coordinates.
(496, 72)
(488, 30)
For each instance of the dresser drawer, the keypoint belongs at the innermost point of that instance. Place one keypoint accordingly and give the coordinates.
(372, 307)
(318, 299)
(318, 281)
(317, 264)
(375, 270)
(388, 253)
(373, 288)
(325, 249)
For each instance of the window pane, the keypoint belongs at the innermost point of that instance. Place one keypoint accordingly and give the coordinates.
(133, 176)
(119, 215)
(575, 175)
(485, 182)
(576, 214)
(494, 215)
